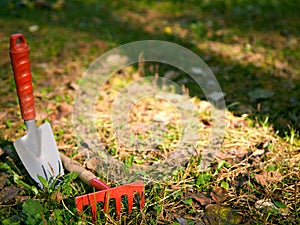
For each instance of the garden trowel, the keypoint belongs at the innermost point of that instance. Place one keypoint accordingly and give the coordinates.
(37, 149)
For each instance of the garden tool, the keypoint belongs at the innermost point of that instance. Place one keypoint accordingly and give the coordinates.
(104, 193)
(37, 149)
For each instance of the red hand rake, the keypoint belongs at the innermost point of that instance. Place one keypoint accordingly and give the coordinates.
(105, 193)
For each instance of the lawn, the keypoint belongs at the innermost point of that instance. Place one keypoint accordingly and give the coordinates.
(253, 49)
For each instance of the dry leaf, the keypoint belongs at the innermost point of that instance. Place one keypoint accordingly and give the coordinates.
(8, 193)
(232, 155)
(63, 110)
(219, 194)
(266, 178)
(21, 198)
(91, 164)
(3, 178)
(57, 196)
(73, 85)
(200, 198)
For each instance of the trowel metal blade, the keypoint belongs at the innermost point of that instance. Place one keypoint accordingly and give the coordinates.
(48, 163)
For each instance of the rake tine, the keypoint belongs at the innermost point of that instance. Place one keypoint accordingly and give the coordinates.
(142, 200)
(93, 204)
(99, 196)
(80, 202)
(118, 207)
(106, 202)
(130, 203)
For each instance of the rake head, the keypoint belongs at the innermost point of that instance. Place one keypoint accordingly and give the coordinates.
(104, 193)
(116, 193)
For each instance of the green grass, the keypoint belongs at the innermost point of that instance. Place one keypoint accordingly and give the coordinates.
(248, 44)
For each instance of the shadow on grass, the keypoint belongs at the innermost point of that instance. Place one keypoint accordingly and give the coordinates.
(215, 30)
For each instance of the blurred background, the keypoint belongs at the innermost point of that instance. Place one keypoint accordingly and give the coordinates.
(251, 46)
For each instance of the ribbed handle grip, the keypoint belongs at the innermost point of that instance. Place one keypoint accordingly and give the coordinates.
(19, 55)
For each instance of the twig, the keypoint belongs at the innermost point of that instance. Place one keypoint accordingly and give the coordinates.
(67, 208)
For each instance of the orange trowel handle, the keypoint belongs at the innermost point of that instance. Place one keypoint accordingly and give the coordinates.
(19, 54)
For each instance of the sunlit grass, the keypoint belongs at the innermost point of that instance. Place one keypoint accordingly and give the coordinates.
(247, 44)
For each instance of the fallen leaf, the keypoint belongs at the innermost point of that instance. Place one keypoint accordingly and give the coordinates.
(204, 200)
(219, 194)
(63, 110)
(91, 164)
(3, 178)
(8, 193)
(21, 198)
(73, 85)
(266, 178)
(232, 156)
(57, 196)
(216, 214)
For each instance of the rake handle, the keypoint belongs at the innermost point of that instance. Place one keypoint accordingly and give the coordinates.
(19, 55)
(86, 176)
